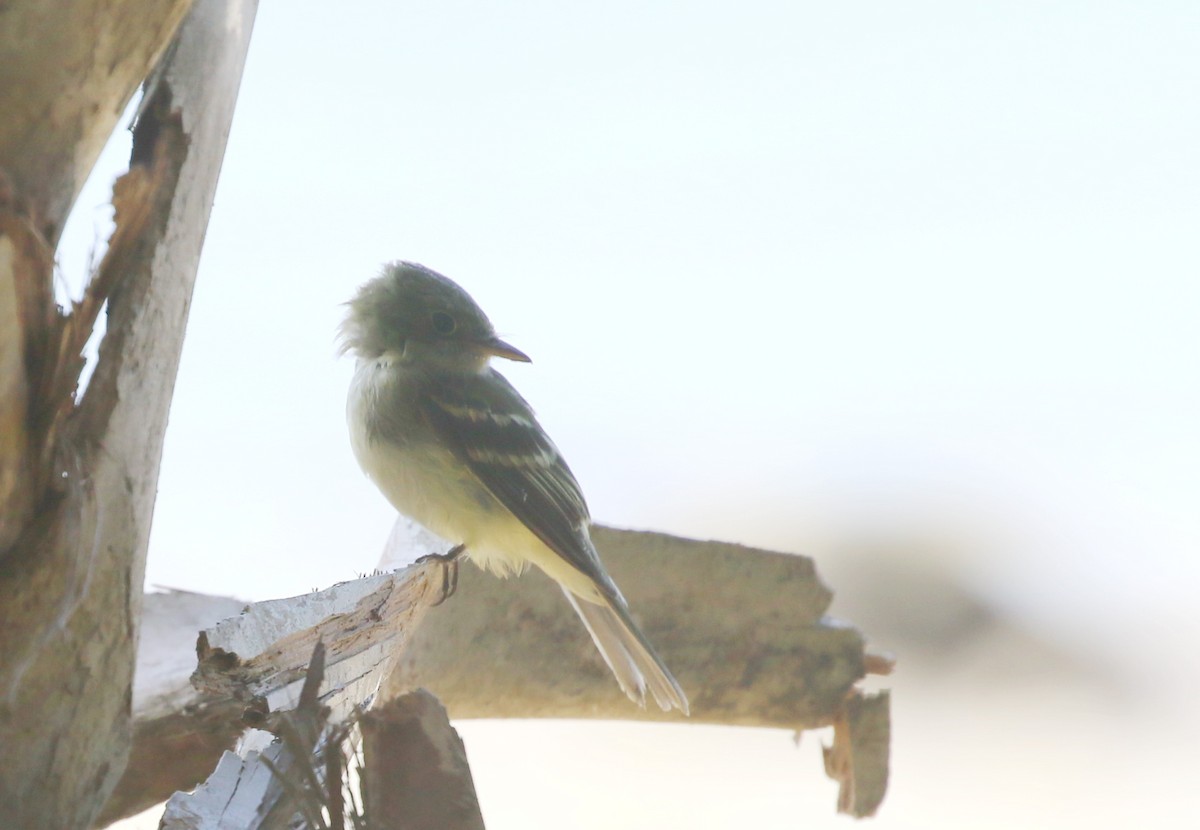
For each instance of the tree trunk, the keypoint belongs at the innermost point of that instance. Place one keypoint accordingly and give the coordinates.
(71, 584)
(68, 68)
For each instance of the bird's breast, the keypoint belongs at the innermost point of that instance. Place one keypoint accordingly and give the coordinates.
(403, 455)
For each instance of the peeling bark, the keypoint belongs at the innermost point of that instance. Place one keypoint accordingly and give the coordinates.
(68, 68)
(70, 585)
(742, 628)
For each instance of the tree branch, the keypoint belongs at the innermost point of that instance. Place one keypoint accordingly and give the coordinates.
(743, 629)
(415, 774)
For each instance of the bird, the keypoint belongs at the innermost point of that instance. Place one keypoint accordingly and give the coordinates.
(451, 444)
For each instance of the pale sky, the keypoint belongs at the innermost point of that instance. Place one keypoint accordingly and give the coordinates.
(792, 275)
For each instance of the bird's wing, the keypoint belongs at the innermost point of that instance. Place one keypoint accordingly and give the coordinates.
(491, 428)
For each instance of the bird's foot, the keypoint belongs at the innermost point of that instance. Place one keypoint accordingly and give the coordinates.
(449, 561)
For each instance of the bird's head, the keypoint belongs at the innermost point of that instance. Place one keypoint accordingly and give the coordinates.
(418, 315)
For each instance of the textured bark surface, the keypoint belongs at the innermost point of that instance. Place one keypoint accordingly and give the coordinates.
(416, 775)
(27, 322)
(742, 628)
(68, 68)
(859, 757)
(288, 780)
(253, 661)
(170, 753)
(177, 733)
(70, 585)
(68, 611)
(261, 656)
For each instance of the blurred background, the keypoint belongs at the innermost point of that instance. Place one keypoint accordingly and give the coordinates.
(908, 288)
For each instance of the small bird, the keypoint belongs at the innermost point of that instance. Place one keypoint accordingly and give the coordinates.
(452, 444)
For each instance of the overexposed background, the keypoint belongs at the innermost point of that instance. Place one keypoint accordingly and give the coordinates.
(909, 288)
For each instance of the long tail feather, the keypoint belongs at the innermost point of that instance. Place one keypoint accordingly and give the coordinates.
(629, 654)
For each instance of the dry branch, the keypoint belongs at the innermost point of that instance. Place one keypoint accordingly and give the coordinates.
(261, 656)
(252, 662)
(858, 759)
(247, 777)
(742, 628)
(416, 775)
(298, 778)
(265, 790)
(177, 733)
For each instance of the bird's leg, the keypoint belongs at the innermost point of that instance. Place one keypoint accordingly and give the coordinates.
(449, 561)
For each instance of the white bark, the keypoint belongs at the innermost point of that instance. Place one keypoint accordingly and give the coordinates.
(260, 656)
(229, 799)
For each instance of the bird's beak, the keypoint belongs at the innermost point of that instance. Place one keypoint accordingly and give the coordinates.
(498, 348)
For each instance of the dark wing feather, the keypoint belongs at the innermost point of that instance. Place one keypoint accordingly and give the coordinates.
(491, 428)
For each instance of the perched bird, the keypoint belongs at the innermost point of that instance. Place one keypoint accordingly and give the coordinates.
(452, 445)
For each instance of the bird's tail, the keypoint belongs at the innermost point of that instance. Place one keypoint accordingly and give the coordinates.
(628, 653)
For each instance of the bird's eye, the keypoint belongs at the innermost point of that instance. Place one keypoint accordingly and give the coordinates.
(443, 323)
